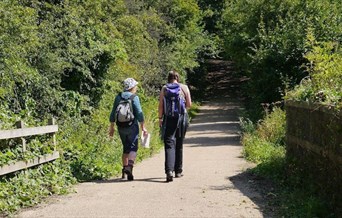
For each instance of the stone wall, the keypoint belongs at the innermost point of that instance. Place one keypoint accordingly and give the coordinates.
(314, 145)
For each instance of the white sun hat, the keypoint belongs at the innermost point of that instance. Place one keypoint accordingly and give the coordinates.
(129, 83)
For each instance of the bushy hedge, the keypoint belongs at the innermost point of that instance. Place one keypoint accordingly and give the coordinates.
(324, 83)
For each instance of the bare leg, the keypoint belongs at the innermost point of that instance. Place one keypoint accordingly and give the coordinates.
(125, 159)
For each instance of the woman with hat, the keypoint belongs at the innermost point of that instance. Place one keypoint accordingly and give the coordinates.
(129, 134)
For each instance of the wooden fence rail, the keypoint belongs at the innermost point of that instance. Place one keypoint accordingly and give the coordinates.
(314, 147)
(22, 132)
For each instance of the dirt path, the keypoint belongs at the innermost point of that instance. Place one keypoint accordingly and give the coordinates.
(214, 182)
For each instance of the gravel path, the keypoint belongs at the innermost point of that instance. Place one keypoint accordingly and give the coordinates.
(214, 182)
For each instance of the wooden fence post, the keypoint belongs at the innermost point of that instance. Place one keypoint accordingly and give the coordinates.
(52, 121)
(19, 125)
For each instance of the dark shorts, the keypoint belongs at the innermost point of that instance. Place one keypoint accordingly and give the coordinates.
(129, 137)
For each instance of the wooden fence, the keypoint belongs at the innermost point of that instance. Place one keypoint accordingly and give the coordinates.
(314, 144)
(22, 132)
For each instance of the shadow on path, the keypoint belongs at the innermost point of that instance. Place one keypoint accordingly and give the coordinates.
(119, 180)
(214, 141)
(258, 189)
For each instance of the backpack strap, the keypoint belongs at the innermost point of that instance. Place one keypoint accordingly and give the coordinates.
(131, 102)
(132, 96)
(181, 88)
(121, 95)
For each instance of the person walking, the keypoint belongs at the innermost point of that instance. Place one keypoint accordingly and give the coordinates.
(126, 113)
(174, 100)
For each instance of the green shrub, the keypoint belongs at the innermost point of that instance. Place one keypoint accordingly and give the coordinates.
(26, 188)
(272, 127)
(259, 150)
(247, 126)
(325, 82)
(193, 111)
(267, 41)
(263, 143)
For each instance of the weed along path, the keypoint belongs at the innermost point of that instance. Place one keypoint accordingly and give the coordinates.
(214, 182)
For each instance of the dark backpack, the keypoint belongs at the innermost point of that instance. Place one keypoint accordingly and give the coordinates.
(174, 103)
(124, 112)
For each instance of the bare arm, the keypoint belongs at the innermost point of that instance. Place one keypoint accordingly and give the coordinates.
(161, 107)
(111, 129)
(188, 98)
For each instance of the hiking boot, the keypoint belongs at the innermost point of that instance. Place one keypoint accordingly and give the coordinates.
(123, 173)
(129, 171)
(178, 175)
(169, 176)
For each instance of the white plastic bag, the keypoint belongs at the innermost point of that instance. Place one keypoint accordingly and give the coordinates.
(145, 140)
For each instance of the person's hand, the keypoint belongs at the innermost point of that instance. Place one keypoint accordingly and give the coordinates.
(144, 131)
(160, 122)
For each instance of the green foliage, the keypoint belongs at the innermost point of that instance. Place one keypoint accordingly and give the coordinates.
(259, 150)
(265, 141)
(212, 10)
(193, 111)
(184, 38)
(300, 193)
(267, 40)
(301, 204)
(272, 127)
(325, 82)
(26, 188)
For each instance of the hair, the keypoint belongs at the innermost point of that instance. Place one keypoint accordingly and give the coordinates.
(173, 75)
